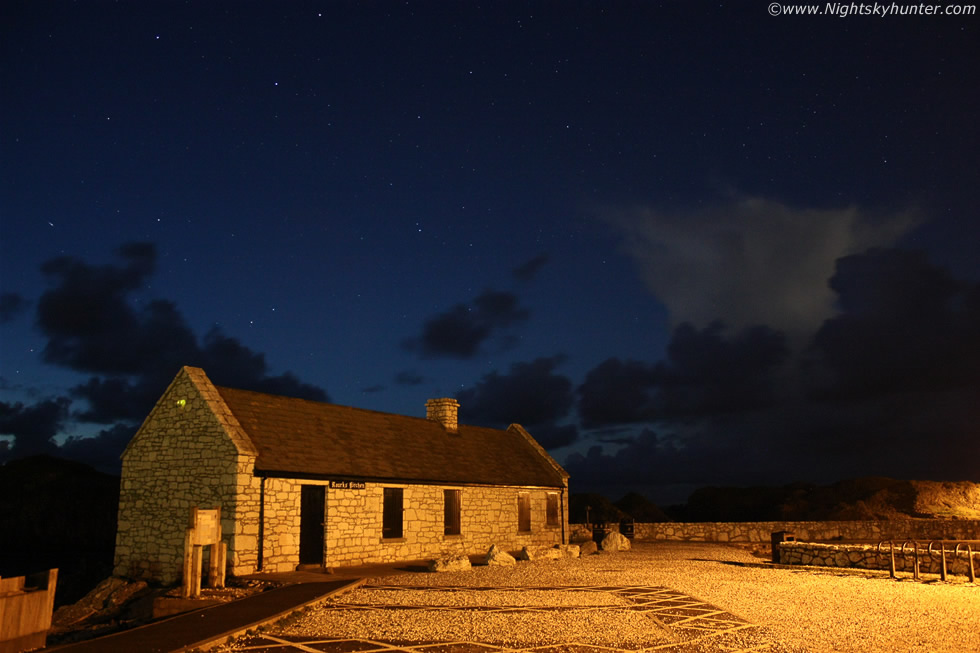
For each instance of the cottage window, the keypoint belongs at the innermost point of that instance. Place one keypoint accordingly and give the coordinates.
(391, 526)
(553, 518)
(452, 503)
(524, 512)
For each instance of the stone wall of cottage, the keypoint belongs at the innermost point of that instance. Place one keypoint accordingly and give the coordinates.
(869, 557)
(179, 459)
(488, 515)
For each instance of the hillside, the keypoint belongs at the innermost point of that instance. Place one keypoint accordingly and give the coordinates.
(863, 498)
(58, 513)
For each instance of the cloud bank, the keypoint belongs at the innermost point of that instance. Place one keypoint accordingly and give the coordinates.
(749, 261)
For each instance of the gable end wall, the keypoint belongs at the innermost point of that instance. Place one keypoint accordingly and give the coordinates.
(180, 458)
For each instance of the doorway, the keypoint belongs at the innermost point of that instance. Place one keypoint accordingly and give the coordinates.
(311, 516)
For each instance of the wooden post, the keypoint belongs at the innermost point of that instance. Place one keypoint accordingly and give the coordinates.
(204, 530)
(185, 587)
(196, 572)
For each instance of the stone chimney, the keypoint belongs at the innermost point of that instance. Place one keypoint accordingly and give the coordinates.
(445, 411)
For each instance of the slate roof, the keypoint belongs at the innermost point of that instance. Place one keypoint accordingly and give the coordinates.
(301, 438)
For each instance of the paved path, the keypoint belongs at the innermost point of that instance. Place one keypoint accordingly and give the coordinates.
(693, 625)
(215, 624)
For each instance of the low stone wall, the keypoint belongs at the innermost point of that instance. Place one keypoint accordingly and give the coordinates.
(899, 529)
(866, 557)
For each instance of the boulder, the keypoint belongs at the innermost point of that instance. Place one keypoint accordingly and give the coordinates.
(539, 553)
(105, 600)
(588, 548)
(450, 563)
(615, 542)
(497, 557)
(568, 550)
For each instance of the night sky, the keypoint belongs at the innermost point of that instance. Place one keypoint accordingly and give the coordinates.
(684, 244)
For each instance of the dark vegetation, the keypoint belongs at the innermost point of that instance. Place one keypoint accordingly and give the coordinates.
(58, 513)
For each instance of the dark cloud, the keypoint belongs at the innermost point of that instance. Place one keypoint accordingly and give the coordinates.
(95, 323)
(617, 392)
(906, 435)
(371, 389)
(408, 377)
(708, 374)
(888, 387)
(460, 331)
(704, 373)
(103, 450)
(531, 394)
(91, 325)
(133, 350)
(33, 427)
(528, 270)
(905, 325)
(11, 305)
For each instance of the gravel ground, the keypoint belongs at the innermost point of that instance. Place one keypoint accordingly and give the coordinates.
(804, 610)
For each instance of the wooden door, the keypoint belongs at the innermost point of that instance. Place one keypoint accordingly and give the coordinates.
(311, 516)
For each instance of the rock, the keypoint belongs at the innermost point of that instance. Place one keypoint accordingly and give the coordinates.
(588, 548)
(615, 542)
(105, 600)
(497, 557)
(122, 595)
(451, 563)
(568, 550)
(539, 553)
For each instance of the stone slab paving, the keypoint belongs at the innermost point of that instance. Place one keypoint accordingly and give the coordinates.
(688, 624)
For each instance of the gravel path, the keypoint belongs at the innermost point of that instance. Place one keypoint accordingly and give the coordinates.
(799, 610)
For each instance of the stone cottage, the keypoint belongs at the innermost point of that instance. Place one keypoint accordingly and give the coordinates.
(308, 483)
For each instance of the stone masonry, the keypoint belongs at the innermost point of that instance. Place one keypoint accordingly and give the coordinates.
(488, 516)
(192, 452)
(868, 557)
(183, 456)
(922, 529)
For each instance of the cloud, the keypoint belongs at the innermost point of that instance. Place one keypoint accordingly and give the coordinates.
(33, 427)
(887, 387)
(371, 389)
(905, 435)
(531, 394)
(96, 323)
(905, 325)
(101, 451)
(93, 325)
(528, 270)
(617, 392)
(749, 261)
(462, 330)
(704, 373)
(11, 306)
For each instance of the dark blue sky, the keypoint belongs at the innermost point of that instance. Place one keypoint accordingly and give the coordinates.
(684, 243)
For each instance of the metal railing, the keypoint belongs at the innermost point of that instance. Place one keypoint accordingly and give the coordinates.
(966, 544)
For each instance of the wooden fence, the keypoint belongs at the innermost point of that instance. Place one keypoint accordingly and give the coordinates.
(26, 604)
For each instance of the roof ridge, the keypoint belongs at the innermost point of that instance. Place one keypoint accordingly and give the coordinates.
(335, 405)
